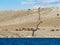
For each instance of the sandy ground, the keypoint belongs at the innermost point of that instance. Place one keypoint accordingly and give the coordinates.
(12, 20)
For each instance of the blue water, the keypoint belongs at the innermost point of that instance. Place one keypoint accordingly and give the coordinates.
(29, 41)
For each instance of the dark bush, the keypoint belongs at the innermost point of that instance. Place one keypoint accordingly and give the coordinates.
(32, 29)
(24, 29)
(28, 29)
(17, 29)
(52, 30)
(57, 14)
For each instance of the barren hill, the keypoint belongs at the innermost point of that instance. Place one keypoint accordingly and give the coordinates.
(13, 20)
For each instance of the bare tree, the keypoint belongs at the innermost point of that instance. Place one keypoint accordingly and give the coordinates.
(33, 33)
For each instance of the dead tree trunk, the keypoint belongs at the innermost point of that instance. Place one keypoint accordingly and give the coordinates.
(33, 33)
